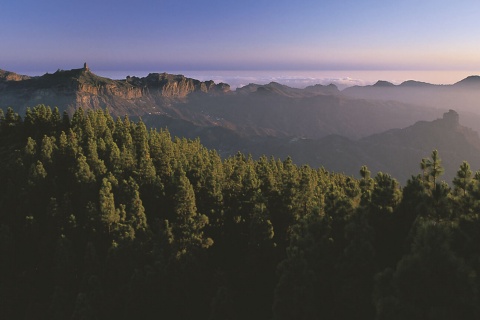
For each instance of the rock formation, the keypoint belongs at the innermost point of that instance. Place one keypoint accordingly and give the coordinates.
(72, 89)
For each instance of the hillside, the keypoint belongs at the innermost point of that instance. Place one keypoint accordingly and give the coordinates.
(271, 110)
(395, 151)
(318, 125)
(105, 219)
(268, 112)
(11, 76)
(463, 96)
(81, 88)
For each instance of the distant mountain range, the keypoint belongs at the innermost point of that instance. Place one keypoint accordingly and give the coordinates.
(265, 110)
(463, 96)
(396, 151)
(319, 125)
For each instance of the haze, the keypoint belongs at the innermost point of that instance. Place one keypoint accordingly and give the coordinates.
(241, 35)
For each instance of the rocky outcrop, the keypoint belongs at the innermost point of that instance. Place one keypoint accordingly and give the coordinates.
(463, 96)
(11, 76)
(176, 86)
(382, 83)
(71, 89)
(451, 118)
(320, 89)
(126, 92)
(274, 88)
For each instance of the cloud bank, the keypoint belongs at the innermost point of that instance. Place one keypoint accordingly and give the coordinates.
(301, 79)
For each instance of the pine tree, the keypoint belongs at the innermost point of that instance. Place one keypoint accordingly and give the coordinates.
(109, 216)
(188, 225)
(431, 282)
(82, 171)
(113, 160)
(463, 179)
(93, 160)
(37, 173)
(78, 121)
(134, 210)
(386, 193)
(11, 118)
(56, 120)
(433, 167)
(366, 184)
(162, 153)
(10, 121)
(31, 148)
(307, 198)
(47, 148)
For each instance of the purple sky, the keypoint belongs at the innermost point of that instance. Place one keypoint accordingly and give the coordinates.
(240, 35)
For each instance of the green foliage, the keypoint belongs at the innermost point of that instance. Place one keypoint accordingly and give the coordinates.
(432, 168)
(366, 184)
(110, 217)
(431, 282)
(386, 193)
(463, 179)
(104, 219)
(187, 224)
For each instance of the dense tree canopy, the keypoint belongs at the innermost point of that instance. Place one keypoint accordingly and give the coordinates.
(102, 218)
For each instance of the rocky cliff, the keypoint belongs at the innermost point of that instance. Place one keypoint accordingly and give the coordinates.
(175, 86)
(255, 110)
(72, 89)
(318, 125)
(11, 76)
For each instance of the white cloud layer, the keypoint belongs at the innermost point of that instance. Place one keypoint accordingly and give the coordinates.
(301, 79)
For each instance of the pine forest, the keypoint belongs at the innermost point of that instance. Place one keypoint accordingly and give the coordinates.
(104, 218)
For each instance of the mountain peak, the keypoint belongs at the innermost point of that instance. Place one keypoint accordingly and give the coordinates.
(451, 117)
(469, 81)
(321, 89)
(414, 83)
(82, 76)
(382, 83)
(11, 76)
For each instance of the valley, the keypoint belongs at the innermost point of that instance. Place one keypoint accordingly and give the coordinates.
(384, 126)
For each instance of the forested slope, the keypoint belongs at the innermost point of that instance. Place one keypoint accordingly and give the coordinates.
(101, 218)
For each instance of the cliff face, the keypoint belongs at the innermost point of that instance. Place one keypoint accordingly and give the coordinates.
(71, 89)
(264, 110)
(110, 90)
(11, 76)
(176, 86)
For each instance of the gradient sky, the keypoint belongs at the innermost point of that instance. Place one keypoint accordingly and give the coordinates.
(240, 35)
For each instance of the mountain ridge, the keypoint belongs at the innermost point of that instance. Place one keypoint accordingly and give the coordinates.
(266, 110)
(12, 76)
(75, 88)
(319, 125)
(395, 151)
(6, 75)
(462, 95)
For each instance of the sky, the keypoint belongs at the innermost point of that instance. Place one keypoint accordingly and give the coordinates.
(164, 35)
